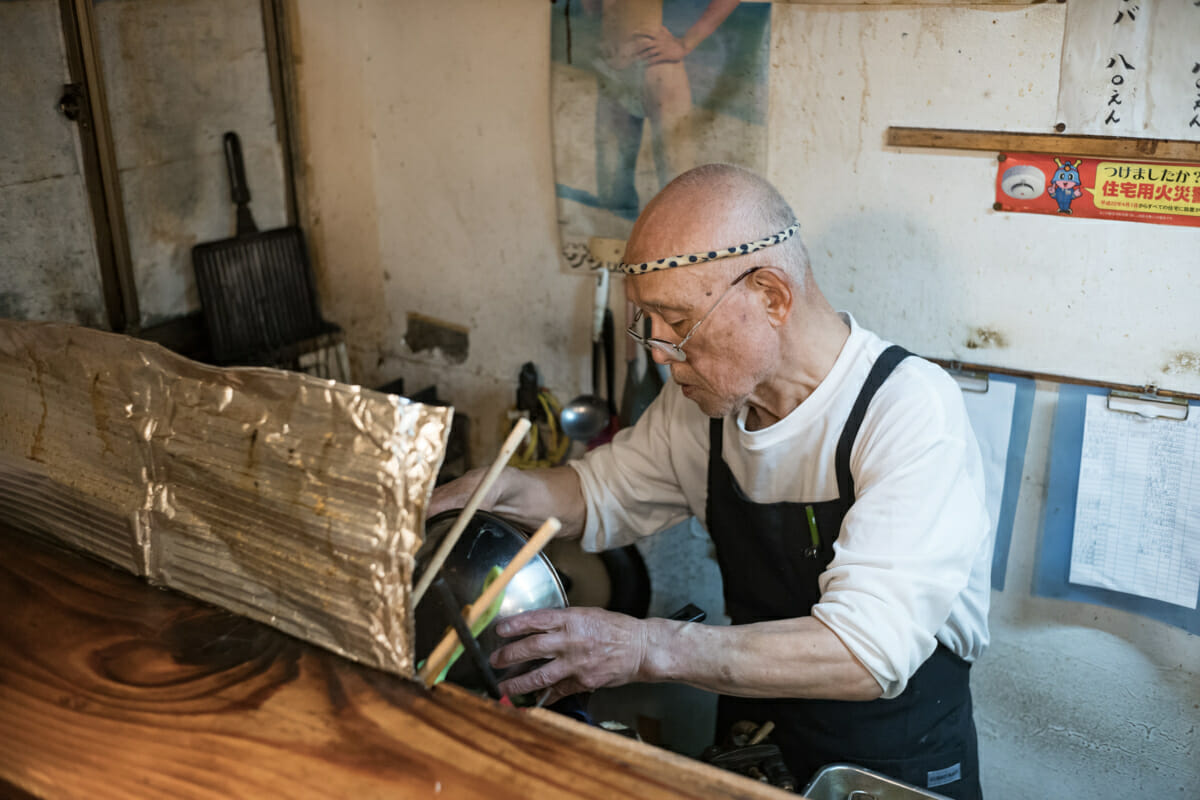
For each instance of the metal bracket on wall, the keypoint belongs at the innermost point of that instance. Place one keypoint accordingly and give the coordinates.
(71, 104)
(1171, 399)
(1148, 403)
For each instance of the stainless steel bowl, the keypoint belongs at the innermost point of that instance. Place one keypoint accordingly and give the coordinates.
(487, 541)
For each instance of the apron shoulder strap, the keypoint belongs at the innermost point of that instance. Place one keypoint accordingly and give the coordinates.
(715, 465)
(880, 370)
(887, 361)
(715, 429)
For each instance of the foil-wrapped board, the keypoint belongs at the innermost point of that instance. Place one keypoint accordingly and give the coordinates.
(290, 499)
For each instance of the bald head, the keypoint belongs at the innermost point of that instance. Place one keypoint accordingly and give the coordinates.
(716, 206)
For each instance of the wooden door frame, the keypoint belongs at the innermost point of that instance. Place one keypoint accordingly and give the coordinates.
(102, 178)
(100, 166)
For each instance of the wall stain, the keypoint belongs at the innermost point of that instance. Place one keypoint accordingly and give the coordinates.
(982, 338)
(1183, 363)
(427, 333)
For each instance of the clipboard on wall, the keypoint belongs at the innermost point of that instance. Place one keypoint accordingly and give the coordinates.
(1140, 553)
(1000, 408)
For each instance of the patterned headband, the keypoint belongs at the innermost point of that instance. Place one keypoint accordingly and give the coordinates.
(710, 255)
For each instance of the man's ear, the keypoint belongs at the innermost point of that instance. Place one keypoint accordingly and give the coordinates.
(777, 293)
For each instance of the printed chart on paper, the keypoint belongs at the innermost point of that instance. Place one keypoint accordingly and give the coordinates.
(1137, 512)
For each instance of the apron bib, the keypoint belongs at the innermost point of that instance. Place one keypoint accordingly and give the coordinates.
(770, 555)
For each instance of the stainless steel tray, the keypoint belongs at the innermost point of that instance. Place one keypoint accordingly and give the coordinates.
(848, 782)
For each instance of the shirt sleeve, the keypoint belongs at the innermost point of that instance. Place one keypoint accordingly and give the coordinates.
(631, 485)
(908, 543)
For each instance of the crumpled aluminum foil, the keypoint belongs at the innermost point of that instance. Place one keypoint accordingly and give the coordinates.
(294, 500)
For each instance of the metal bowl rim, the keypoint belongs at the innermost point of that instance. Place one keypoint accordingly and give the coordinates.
(482, 517)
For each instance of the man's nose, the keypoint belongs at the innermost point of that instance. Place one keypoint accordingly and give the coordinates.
(659, 357)
(662, 332)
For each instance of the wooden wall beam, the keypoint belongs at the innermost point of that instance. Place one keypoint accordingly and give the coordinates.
(1049, 143)
(920, 2)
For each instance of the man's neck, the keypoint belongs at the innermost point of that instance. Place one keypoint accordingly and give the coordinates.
(809, 353)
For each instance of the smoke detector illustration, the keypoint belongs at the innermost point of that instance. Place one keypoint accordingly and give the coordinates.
(1023, 182)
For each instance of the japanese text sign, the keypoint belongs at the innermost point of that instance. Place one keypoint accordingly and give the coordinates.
(1167, 194)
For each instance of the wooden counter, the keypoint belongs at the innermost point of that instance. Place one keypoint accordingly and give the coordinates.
(112, 688)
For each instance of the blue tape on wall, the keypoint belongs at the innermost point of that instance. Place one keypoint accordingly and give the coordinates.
(1014, 465)
(1050, 577)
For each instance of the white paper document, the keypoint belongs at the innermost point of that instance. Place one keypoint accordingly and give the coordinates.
(1137, 513)
(991, 414)
(1129, 68)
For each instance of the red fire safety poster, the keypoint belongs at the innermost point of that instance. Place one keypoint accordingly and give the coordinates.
(1167, 194)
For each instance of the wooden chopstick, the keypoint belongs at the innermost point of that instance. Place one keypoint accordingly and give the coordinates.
(437, 659)
(460, 524)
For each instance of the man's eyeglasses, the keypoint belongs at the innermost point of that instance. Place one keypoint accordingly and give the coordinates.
(675, 351)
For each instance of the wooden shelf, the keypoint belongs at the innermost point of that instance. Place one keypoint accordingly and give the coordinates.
(1049, 143)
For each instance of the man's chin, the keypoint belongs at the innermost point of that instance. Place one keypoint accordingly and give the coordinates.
(710, 405)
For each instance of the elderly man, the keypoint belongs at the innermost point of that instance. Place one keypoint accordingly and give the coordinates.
(837, 475)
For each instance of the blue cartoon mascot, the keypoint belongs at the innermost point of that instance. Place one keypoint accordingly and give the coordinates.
(1065, 186)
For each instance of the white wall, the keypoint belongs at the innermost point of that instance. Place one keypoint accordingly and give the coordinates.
(429, 180)
(908, 239)
(426, 138)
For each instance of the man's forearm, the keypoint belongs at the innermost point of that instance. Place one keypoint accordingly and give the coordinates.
(785, 658)
(530, 496)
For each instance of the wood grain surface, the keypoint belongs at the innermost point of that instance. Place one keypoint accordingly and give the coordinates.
(112, 688)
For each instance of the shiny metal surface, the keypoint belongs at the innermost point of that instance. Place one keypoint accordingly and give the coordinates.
(584, 417)
(280, 496)
(848, 782)
(487, 541)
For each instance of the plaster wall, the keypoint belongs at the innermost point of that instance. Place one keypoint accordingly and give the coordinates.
(428, 179)
(48, 264)
(425, 137)
(177, 76)
(907, 238)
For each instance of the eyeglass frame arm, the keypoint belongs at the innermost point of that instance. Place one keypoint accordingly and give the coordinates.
(675, 350)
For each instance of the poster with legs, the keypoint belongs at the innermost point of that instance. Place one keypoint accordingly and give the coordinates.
(642, 90)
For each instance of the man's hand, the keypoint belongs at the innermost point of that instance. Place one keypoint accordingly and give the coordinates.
(457, 492)
(587, 648)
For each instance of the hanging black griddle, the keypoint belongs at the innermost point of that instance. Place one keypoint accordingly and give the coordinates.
(256, 288)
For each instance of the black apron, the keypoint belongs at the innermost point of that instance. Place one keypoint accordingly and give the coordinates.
(770, 556)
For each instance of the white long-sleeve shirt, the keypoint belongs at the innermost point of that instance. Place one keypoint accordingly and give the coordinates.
(912, 561)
